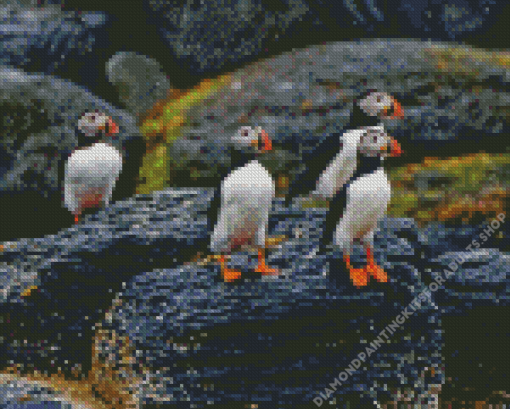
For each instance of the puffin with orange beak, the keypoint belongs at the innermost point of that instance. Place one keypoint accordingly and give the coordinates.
(356, 209)
(348, 170)
(331, 163)
(240, 211)
(93, 169)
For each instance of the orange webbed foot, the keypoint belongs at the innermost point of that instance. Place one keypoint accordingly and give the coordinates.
(228, 274)
(266, 271)
(231, 275)
(378, 273)
(374, 270)
(359, 276)
(262, 268)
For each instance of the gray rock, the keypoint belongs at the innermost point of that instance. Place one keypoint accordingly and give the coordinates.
(44, 38)
(138, 246)
(139, 80)
(480, 278)
(207, 36)
(299, 104)
(15, 391)
(210, 35)
(40, 115)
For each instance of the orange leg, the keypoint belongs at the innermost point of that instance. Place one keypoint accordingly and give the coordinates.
(374, 270)
(359, 276)
(262, 267)
(226, 273)
(77, 218)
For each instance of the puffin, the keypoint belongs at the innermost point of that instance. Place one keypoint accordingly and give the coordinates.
(239, 212)
(355, 210)
(333, 161)
(337, 163)
(92, 170)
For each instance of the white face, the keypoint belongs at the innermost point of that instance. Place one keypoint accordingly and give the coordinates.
(375, 142)
(93, 123)
(246, 137)
(376, 103)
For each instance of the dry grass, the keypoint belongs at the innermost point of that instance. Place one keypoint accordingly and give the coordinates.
(464, 60)
(468, 189)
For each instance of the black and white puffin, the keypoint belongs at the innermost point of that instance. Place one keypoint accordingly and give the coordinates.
(92, 170)
(336, 164)
(355, 210)
(333, 161)
(239, 213)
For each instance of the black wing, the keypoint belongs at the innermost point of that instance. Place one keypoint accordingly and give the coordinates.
(213, 210)
(335, 212)
(315, 163)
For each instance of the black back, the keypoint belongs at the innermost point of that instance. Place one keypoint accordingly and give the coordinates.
(359, 118)
(324, 153)
(319, 160)
(213, 211)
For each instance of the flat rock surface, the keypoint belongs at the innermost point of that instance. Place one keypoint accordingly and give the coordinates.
(137, 247)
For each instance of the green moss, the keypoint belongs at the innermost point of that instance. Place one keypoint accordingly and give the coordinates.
(154, 172)
(468, 176)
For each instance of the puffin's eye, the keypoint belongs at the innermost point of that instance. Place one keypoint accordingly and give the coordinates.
(375, 139)
(245, 133)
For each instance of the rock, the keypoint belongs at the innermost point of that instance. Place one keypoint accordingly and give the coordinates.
(40, 37)
(474, 301)
(438, 237)
(248, 315)
(135, 251)
(477, 278)
(40, 113)
(90, 261)
(139, 80)
(208, 36)
(13, 390)
(141, 255)
(476, 364)
(303, 96)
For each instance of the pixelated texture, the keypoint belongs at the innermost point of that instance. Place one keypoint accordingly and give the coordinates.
(40, 130)
(206, 36)
(139, 80)
(453, 97)
(45, 38)
(177, 333)
(83, 258)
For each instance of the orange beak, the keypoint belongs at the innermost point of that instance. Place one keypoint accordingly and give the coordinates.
(267, 145)
(398, 112)
(110, 128)
(396, 149)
